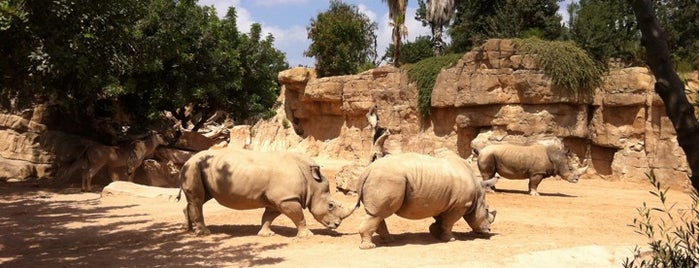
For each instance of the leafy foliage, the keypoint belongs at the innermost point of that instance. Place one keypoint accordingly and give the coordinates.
(425, 73)
(342, 40)
(412, 52)
(564, 63)
(476, 21)
(673, 235)
(606, 29)
(679, 20)
(146, 56)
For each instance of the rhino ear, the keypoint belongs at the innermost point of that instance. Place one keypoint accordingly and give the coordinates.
(491, 215)
(315, 172)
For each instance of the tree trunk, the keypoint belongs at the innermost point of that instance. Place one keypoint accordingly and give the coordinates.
(668, 85)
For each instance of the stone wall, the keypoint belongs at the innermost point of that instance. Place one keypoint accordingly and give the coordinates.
(621, 126)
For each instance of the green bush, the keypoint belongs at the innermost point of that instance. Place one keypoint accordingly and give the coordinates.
(565, 63)
(425, 73)
(673, 234)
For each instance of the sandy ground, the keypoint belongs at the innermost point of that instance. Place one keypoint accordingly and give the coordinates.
(570, 225)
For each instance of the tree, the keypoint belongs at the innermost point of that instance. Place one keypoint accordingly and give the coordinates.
(438, 15)
(668, 84)
(64, 51)
(476, 21)
(681, 24)
(606, 29)
(261, 64)
(144, 56)
(414, 51)
(342, 40)
(396, 12)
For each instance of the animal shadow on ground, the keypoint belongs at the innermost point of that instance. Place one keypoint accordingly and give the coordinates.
(242, 230)
(526, 192)
(425, 239)
(86, 234)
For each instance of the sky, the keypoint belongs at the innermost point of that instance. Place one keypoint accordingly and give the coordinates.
(287, 20)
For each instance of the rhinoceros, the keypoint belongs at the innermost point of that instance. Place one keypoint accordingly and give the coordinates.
(534, 162)
(281, 182)
(417, 186)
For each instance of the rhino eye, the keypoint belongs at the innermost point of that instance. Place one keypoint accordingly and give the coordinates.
(331, 206)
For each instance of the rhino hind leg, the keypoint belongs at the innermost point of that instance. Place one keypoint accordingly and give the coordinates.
(195, 216)
(368, 227)
(294, 211)
(267, 217)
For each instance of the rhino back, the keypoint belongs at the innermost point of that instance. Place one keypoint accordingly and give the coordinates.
(424, 185)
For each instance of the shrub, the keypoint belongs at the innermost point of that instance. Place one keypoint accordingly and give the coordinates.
(425, 73)
(565, 63)
(673, 234)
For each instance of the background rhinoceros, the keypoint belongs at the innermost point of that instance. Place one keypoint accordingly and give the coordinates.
(281, 182)
(534, 162)
(417, 186)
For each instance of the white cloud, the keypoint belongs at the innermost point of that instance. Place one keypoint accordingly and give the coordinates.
(278, 2)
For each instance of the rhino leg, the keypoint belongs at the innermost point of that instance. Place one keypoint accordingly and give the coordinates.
(294, 211)
(534, 184)
(367, 228)
(382, 230)
(195, 216)
(267, 217)
(443, 225)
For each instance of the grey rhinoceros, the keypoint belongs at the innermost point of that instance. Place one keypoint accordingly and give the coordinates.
(417, 186)
(534, 162)
(281, 182)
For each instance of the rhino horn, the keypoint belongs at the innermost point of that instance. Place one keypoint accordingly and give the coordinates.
(489, 183)
(583, 169)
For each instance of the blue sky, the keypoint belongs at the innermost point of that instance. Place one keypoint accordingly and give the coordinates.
(287, 20)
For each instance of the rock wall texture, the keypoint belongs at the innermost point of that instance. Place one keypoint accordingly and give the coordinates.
(494, 90)
(495, 93)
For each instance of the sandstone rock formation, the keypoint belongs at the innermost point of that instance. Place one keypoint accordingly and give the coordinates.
(621, 127)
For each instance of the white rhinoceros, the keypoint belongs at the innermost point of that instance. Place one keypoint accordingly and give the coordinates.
(534, 162)
(417, 186)
(281, 182)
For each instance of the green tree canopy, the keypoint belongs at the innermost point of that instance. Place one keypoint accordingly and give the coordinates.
(342, 40)
(148, 56)
(476, 21)
(606, 29)
(680, 20)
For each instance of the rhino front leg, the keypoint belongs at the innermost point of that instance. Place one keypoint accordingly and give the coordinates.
(294, 211)
(534, 184)
(267, 217)
(443, 225)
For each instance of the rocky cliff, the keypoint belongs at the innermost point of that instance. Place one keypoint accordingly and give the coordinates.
(494, 93)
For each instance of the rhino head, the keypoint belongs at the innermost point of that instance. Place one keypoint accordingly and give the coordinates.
(322, 206)
(480, 216)
(566, 165)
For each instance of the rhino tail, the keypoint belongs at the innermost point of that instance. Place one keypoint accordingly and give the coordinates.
(360, 186)
(179, 194)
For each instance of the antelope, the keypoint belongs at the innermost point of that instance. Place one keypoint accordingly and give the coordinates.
(129, 155)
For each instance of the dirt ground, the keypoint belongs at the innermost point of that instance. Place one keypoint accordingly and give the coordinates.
(570, 225)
